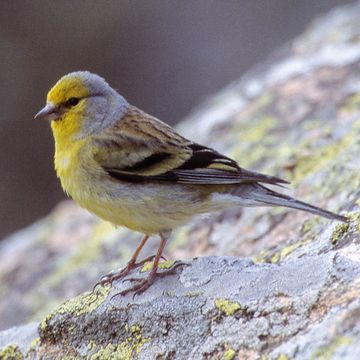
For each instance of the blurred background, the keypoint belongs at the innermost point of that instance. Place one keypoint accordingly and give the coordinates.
(164, 56)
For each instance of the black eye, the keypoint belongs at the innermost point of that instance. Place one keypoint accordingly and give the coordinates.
(73, 101)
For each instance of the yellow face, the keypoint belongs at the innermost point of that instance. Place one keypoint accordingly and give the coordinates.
(69, 98)
(81, 104)
(67, 88)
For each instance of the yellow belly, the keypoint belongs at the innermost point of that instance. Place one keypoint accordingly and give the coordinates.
(148, 208)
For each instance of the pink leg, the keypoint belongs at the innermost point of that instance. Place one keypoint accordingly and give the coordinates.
(112, 276)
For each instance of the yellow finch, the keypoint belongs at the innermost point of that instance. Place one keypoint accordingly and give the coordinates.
(133, 170)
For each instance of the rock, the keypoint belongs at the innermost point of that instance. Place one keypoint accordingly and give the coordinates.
(216, 304)
(17, 340)
(271, 282)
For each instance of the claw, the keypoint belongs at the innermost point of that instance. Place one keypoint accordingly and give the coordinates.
(133, 279)
(117, 275)
(144, 284)
(139, 288)
(114, 275)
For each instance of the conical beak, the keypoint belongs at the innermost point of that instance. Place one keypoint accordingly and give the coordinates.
(49, 112)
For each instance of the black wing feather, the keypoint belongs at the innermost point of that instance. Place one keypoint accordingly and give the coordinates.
(203, 156)
(195, 170)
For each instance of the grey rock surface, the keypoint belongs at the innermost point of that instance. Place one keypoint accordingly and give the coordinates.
(20, 336)
(218, 305)
(283, 284)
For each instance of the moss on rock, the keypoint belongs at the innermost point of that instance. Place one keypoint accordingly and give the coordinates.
(227, 307)
(11, 352)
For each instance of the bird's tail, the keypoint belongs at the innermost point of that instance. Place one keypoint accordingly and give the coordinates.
(265, 196)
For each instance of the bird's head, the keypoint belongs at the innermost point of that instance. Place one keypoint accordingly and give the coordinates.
(81, 104)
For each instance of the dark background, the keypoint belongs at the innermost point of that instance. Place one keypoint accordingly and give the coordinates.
(162, 55)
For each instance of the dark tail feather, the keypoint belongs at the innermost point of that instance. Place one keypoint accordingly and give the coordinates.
(266, 196)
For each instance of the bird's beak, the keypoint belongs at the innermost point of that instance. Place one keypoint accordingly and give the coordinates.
(49, 112)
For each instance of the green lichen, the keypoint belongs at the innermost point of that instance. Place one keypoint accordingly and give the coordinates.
(116, 352)
(82, 304)
(34, 344)
(339, 231)
(258, 131)
(355, 219)
(229, 354)
(266, 256)
(249, 134)
(282, 357)
(261, 257)
(283, 253)
(352, 103)
(193, 293)
(309, 159)
(91, 345)
(32, 350)
(309, 225)
(326, 352)
(126, 350)
(227, 307)
(313, 161)
(308, 234)
(162, 265)
(262, 102)
(11, 352)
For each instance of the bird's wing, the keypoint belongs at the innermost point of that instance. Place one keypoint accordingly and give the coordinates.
(141, 148)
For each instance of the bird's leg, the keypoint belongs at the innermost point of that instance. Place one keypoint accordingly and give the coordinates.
(115, 275)
(143, 284)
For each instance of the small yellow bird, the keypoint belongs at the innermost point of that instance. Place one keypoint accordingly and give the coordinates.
(133, 170)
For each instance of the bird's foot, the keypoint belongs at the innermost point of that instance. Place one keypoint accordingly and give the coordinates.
(109, 278)
(143, 284)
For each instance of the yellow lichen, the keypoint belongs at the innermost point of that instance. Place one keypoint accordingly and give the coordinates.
(355, 218)
(11, 352)
(352, 103)
(283, 253)
(82, 304)
(282, 357)
(309, 224)
(162, 265)
(34, 344)
(250, 134)
(339, 232)
(261, 257)
(257, 132)
(227, 307)
(126, 350)
(229, 354)
(326, 352)
(315, 160)
(115, 352)
(91, 345)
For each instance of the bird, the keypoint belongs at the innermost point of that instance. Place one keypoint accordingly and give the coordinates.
(133, 170)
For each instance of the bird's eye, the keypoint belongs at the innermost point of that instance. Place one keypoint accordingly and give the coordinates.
(73, 101)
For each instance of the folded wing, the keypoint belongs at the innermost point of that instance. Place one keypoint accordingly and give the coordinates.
(141, 148)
